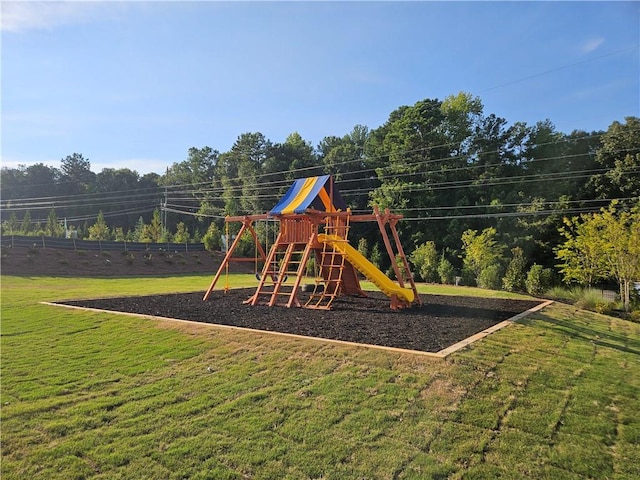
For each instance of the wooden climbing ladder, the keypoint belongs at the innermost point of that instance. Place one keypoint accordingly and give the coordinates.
(284, 268)
(332, 264)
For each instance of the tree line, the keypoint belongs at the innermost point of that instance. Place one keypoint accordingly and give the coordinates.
(448, 167)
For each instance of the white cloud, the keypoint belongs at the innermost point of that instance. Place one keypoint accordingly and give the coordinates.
(20, 16)
(592, 44)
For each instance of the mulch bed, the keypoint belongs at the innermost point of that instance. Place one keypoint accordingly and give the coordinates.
(439, 323)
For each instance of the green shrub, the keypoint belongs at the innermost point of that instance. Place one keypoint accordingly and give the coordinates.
(363, 247)
(212, 239)
(560, 293)
(446, 271)
(590, 299)
(539, 279)
(375, 256)
(572, 294)
(490, 277)
(246, 247)
(515, 277)
(634, 316)
(425, 260)
(467, 277)
(310, 268)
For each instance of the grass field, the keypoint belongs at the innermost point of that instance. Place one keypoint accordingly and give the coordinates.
(103, 396)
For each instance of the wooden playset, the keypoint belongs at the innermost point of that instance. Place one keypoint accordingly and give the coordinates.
(311, 206)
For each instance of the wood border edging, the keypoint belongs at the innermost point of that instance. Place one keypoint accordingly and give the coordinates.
(440, 354)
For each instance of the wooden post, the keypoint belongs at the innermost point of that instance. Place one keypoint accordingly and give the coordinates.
(230, 250)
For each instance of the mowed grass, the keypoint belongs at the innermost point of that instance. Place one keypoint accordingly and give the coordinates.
(105, 396)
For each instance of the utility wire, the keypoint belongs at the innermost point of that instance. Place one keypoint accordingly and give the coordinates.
(154, 193)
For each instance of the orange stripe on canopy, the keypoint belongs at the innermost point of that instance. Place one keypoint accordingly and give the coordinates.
(326, 201)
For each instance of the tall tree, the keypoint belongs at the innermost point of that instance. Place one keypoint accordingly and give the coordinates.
(620, 156)
(11, 226)
(344, 158)
(155, 230)
(76, 174)
(99, 230)
(140, 231)
(294, 158)
(197, 171)
(240, 169)
(481, 251)
(121, 195)
(410, 152)
(620, 237)
(192, 183)
(603, 245)
(53, 227)
(33, 181)
(580, 255)
(303, 158)
(547, 165)
(13, 182)
(580, 155)
(182, 233)
(27, 226)
(116, 180)
(462, 114)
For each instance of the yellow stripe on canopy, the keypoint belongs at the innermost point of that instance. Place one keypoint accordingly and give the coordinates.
(302, 195)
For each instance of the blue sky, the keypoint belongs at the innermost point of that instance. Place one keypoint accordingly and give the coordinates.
(136, 84)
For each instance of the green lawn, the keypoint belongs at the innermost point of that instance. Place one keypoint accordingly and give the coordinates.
(104, 396)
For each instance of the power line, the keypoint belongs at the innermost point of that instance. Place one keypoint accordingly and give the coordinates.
(101, 199)
(563, 67)
(564, 139)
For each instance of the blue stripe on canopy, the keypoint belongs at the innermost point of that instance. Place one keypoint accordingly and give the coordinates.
(292, 193)
(303, 194)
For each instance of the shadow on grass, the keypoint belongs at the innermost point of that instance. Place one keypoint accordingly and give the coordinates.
(603, 339)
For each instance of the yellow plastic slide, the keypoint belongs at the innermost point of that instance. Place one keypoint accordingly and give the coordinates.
(368, 269)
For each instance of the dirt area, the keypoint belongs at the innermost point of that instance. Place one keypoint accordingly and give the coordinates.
(440, 322)
(73, 263)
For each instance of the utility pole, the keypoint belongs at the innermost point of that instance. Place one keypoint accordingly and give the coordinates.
(164, 208)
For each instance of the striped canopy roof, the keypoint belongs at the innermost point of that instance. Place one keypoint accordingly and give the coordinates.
(318, 193)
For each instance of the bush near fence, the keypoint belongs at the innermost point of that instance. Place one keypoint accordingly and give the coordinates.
(97, 245)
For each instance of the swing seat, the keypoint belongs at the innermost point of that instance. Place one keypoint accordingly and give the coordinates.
(275, 277)
(312, 288)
